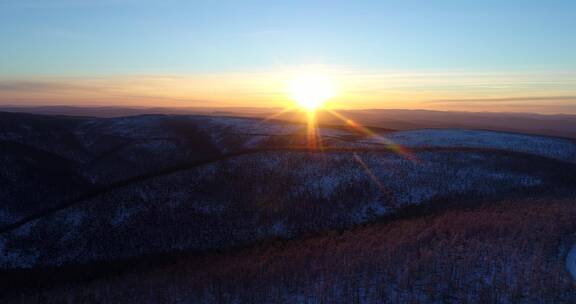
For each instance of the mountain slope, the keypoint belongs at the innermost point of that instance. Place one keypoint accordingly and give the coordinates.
(507, 251)
(79, 192)
(274, 194)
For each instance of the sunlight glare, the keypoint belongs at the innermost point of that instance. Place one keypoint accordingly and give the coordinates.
(311, 91)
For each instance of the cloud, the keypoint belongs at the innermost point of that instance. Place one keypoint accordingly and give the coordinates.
(33, 86)
(527, 104)
(505, 100)
(537, 92)
(161, 90)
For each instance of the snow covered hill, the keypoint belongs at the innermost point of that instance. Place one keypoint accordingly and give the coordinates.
(250, 183)
(557, 148)
(272, 194)
(80, 191)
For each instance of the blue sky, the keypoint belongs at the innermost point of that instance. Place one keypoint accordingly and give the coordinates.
(108, 38)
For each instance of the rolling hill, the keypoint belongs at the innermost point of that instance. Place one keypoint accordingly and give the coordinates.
(241, 204)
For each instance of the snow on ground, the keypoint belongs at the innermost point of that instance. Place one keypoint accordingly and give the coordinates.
(557, 148)
(334, 132)
(130, 127)
(571, 262)
(327, 176)
(248, 133)
(345, 190)
(258, 131)
(252, 126)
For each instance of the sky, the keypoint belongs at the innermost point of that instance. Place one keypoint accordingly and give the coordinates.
(514, 55)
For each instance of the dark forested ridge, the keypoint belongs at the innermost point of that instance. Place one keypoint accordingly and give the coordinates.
(494, 253)
(176, 208)
(400, 119)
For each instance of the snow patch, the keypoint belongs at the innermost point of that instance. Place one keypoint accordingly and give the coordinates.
(557, 148)
(207, 207)
(124, 213)
(571, 262)
(75, 217)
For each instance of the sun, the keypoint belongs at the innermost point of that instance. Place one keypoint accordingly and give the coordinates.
(310, 92)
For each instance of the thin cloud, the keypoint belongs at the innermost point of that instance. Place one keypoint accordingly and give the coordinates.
(33, 86)
(506, 99)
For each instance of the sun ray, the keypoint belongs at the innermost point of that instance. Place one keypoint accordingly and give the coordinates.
(311, 133)
(310, 92)
(283, 111)
(367, 132)
(373, 176)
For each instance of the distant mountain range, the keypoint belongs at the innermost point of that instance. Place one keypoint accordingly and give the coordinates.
(552, 125)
